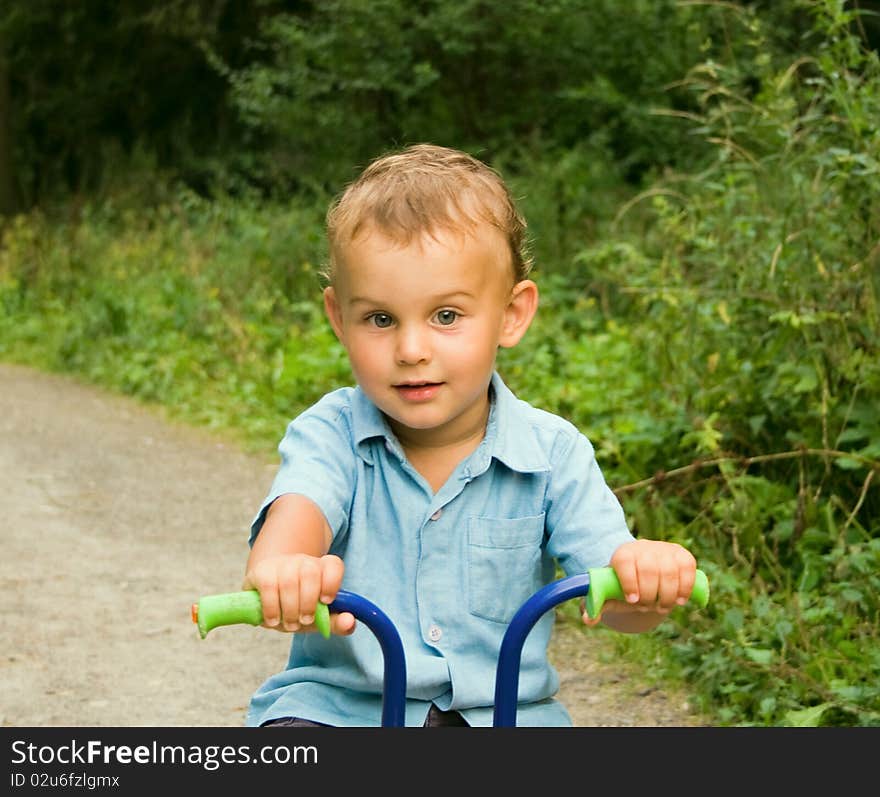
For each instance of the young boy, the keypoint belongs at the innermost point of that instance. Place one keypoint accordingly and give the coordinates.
(430, 488)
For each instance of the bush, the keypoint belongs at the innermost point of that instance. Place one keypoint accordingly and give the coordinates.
(715, 334)
(751, 291)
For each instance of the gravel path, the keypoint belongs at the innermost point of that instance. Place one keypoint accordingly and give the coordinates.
(116, 521)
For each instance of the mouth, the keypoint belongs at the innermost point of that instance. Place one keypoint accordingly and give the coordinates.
(418, 391)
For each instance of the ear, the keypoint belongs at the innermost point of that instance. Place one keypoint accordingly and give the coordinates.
(334, 313)
(519, 313)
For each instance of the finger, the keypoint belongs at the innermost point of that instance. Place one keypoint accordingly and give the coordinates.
(668, 588)
(332, 570)
(591, 621)
(342, 624)
(267, 585)
(628, 576)
(585, 617)
(309, 590)
(649, 584)
(687, 576)
(288, 588)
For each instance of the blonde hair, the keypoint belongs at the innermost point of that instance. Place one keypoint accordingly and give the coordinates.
(420, 190)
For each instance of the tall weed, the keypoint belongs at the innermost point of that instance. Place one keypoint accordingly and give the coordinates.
(205, 307)
(754, 284)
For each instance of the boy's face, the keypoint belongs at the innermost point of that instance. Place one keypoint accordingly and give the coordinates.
(422, 324)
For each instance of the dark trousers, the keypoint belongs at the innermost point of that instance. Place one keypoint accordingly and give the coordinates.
(435, 719)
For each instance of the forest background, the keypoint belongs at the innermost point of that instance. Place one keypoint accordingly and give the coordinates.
(702, 185)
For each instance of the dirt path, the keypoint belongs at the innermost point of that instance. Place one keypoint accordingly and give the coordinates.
(115, 522)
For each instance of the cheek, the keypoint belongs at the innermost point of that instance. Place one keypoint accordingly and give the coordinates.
(478, 340)
(365, 350)
(467, 351)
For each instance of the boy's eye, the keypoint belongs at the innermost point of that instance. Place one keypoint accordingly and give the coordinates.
(381, 320)
(446, 317)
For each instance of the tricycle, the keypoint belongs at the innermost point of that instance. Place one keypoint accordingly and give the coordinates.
(596, 586)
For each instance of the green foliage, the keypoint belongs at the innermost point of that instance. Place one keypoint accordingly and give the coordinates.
(480, 76)
(205, 307)
(94, 89)
(714, 330)
(753, 286)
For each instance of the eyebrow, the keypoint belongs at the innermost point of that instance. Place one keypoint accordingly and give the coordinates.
(439, 299)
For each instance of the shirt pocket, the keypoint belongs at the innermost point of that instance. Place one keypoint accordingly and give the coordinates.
(504, 564)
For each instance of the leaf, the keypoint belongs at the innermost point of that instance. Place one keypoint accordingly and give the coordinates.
(809, 578)
(806, 717)
(733, 619)
(760, 655)
(851, 595)
(848, 463)
(807, 381)
(852, 434)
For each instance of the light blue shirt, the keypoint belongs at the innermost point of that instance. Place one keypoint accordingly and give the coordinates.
(450, 568)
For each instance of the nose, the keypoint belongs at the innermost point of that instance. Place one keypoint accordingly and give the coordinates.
(412, 345)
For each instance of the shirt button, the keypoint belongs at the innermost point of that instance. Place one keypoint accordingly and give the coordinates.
(434, 633)
(436, 515)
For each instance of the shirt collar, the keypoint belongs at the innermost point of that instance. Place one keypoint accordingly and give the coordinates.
(509, 438)
(367, 422)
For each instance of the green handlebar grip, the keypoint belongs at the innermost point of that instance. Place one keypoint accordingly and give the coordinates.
(605, 586)
(229, 608)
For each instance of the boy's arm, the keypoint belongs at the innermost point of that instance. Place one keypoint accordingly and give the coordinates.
(655, 577)
(290, 567)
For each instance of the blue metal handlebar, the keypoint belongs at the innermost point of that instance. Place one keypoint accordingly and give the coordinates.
(509, 656)
(394, 688)
(507, 671)
(245, 607)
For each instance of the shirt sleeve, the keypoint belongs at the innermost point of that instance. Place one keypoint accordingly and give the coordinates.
(318, 462)
(584, 520)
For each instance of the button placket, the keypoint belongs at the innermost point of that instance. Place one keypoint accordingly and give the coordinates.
(435, 633)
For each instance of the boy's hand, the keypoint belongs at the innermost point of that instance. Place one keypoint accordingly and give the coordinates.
(655, 577)
(290, 587)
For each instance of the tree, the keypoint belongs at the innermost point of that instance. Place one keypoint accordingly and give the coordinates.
(8, 203)
(93, 85)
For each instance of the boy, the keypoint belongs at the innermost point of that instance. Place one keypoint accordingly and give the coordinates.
(434, 491)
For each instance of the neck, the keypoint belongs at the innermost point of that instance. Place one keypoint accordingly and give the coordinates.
(436, 456)
(468, 434)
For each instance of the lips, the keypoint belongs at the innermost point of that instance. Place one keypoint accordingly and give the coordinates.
(418, 391)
